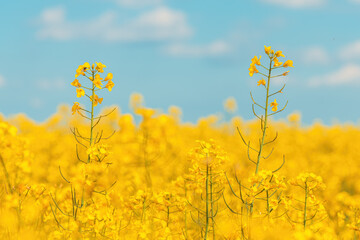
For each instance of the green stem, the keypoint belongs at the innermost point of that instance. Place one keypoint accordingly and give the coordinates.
(207, 202)
(267, 203)
(265, 120)
(264, 126)
(185, 213)
(92, 112)
(212, 204)
(305, 205)
(168, 217)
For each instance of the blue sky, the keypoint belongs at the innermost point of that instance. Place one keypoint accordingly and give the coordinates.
(192, 54)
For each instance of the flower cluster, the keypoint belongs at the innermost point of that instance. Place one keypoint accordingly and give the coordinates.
(92, 73)
(310, 180)
(274, 64)
(98, 152)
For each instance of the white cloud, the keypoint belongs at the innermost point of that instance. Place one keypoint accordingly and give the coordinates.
(349, 74)
(315, 55)
(138, 3)
(159, 24)
(47, 84)
(2, 81)
(350, 51)
(297, 3)
(216, 48)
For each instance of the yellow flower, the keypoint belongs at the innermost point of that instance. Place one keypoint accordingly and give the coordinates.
(279, 54)
(96, 100)
(110, 85)
(99, 67)
(252, 69)
(261, 82)
(86, 66)
(97, 81)
(256, 60)
(274, 105)
(268, 50)
(288, 63)
(75, 108)
(277, 63)
(285, 73)
(97, 152)
(82, 69)
(76, 83)
(80, 92)
(109, 77)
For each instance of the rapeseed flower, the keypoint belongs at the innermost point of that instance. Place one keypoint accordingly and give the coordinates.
(252, 69)
(100, 67)
(109, 76)
(75, 108)
(288, 63)
(76, 83)
(109, 85)
(97, 81)
(82, 69)
(277, 63)
(256, 60)
(274, 105)
(80, 92)
(279, 54)
(268, 50)
(261, 82)
(96, 100)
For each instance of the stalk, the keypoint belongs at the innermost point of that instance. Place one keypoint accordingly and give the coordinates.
(92, 112)
(306, 196)
(263, 136)
(212, 205)
(207, 202)
(185, 212)
(168, 217)
(267, 203)
(265, 120)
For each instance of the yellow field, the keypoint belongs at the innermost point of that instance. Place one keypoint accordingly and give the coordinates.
(76, 177)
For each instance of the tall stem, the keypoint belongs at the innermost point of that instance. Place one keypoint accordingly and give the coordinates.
(212, 205)
(305, 205)
(168, 216)
(207, 202)
(185, 212)
(267, 204)
(92, 112)
(264, 126)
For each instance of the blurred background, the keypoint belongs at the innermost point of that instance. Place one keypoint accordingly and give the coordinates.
(192, 54)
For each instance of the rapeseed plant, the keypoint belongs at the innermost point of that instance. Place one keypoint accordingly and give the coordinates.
(206, 178)
(310, 208)
(88, 182)
(261, 181)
